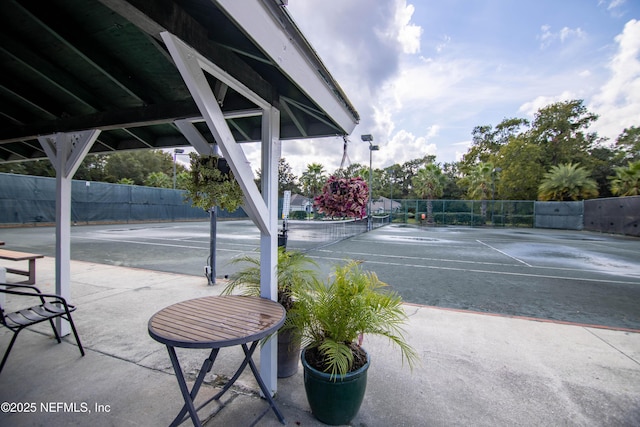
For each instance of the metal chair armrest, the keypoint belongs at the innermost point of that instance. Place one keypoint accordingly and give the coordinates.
(18, 285)
(42, 296)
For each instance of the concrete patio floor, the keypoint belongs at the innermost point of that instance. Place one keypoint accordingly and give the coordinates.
(477, 369)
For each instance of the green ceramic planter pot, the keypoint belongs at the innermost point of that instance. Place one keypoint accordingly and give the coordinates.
(337, 401)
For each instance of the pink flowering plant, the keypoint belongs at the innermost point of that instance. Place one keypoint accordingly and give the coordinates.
(343, 197)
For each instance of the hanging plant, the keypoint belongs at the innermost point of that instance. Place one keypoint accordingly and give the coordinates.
(343, 197)
(211, 183)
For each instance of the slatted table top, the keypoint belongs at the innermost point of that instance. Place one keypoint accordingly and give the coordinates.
(18, 256)
(216, 321)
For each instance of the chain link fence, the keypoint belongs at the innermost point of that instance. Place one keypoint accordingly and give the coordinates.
(502, 213)
(30, 200)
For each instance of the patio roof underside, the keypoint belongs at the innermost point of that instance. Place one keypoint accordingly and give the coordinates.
(70, 65)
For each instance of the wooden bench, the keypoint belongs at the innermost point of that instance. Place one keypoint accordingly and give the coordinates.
(22, 256)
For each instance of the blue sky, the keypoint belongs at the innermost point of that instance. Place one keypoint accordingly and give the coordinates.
(423, 73)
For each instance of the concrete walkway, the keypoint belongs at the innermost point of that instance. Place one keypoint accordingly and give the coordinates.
(477, 369)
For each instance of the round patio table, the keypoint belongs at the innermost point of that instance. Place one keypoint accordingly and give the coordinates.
(215, 322)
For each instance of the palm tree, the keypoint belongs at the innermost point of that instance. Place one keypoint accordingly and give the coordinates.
(567, 182)
(429, 183)
(312, 179)
(158, 179)
(627, 180)
(480, 182)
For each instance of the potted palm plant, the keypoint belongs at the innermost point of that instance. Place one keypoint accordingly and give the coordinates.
(334, 317)
(295, 274)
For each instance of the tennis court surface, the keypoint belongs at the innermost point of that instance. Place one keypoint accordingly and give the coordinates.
(570, 276)
(567, 276)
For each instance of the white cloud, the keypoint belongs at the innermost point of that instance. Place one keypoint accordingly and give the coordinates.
(531, 108)
(404, 146)
(411, 104)
(548, 37)
(615, 3)
(567, 33)
(615, 7)
(365, 56)
(618, 101)
(400, 31)
(408, 33)
(445, 41)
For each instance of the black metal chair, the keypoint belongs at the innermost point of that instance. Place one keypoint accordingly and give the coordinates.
(51, 306)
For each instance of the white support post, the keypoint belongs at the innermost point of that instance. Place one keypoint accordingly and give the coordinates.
(262, 209)
(65, 151)
(271, 149)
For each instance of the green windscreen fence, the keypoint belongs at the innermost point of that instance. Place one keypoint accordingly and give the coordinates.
(618, 215)
(506, 213)
(31, 200)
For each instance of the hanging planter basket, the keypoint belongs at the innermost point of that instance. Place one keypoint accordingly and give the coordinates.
(211, 183)
(343, 197)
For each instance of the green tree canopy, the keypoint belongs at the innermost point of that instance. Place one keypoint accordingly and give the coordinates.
(390, 186)
(452, 189)
(629, 142)
(558, 135)
(287, 181)
(158, 179)
(487, 141)
(560, 129)
(137, 165)
(522, 170)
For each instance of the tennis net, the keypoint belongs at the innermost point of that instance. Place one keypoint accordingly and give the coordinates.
(312, 234)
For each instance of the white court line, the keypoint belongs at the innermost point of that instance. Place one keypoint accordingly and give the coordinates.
(136, 242)
(504, 273)
(503, 253)
(459, 261)
(541, 267)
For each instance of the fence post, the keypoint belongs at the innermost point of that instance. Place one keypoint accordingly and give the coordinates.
(472, 208)
(130, 203)
(444, 216)
(406, 213)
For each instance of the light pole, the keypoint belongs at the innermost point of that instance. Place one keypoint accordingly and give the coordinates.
(176, 151)
(369, 138)
(391, 207)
